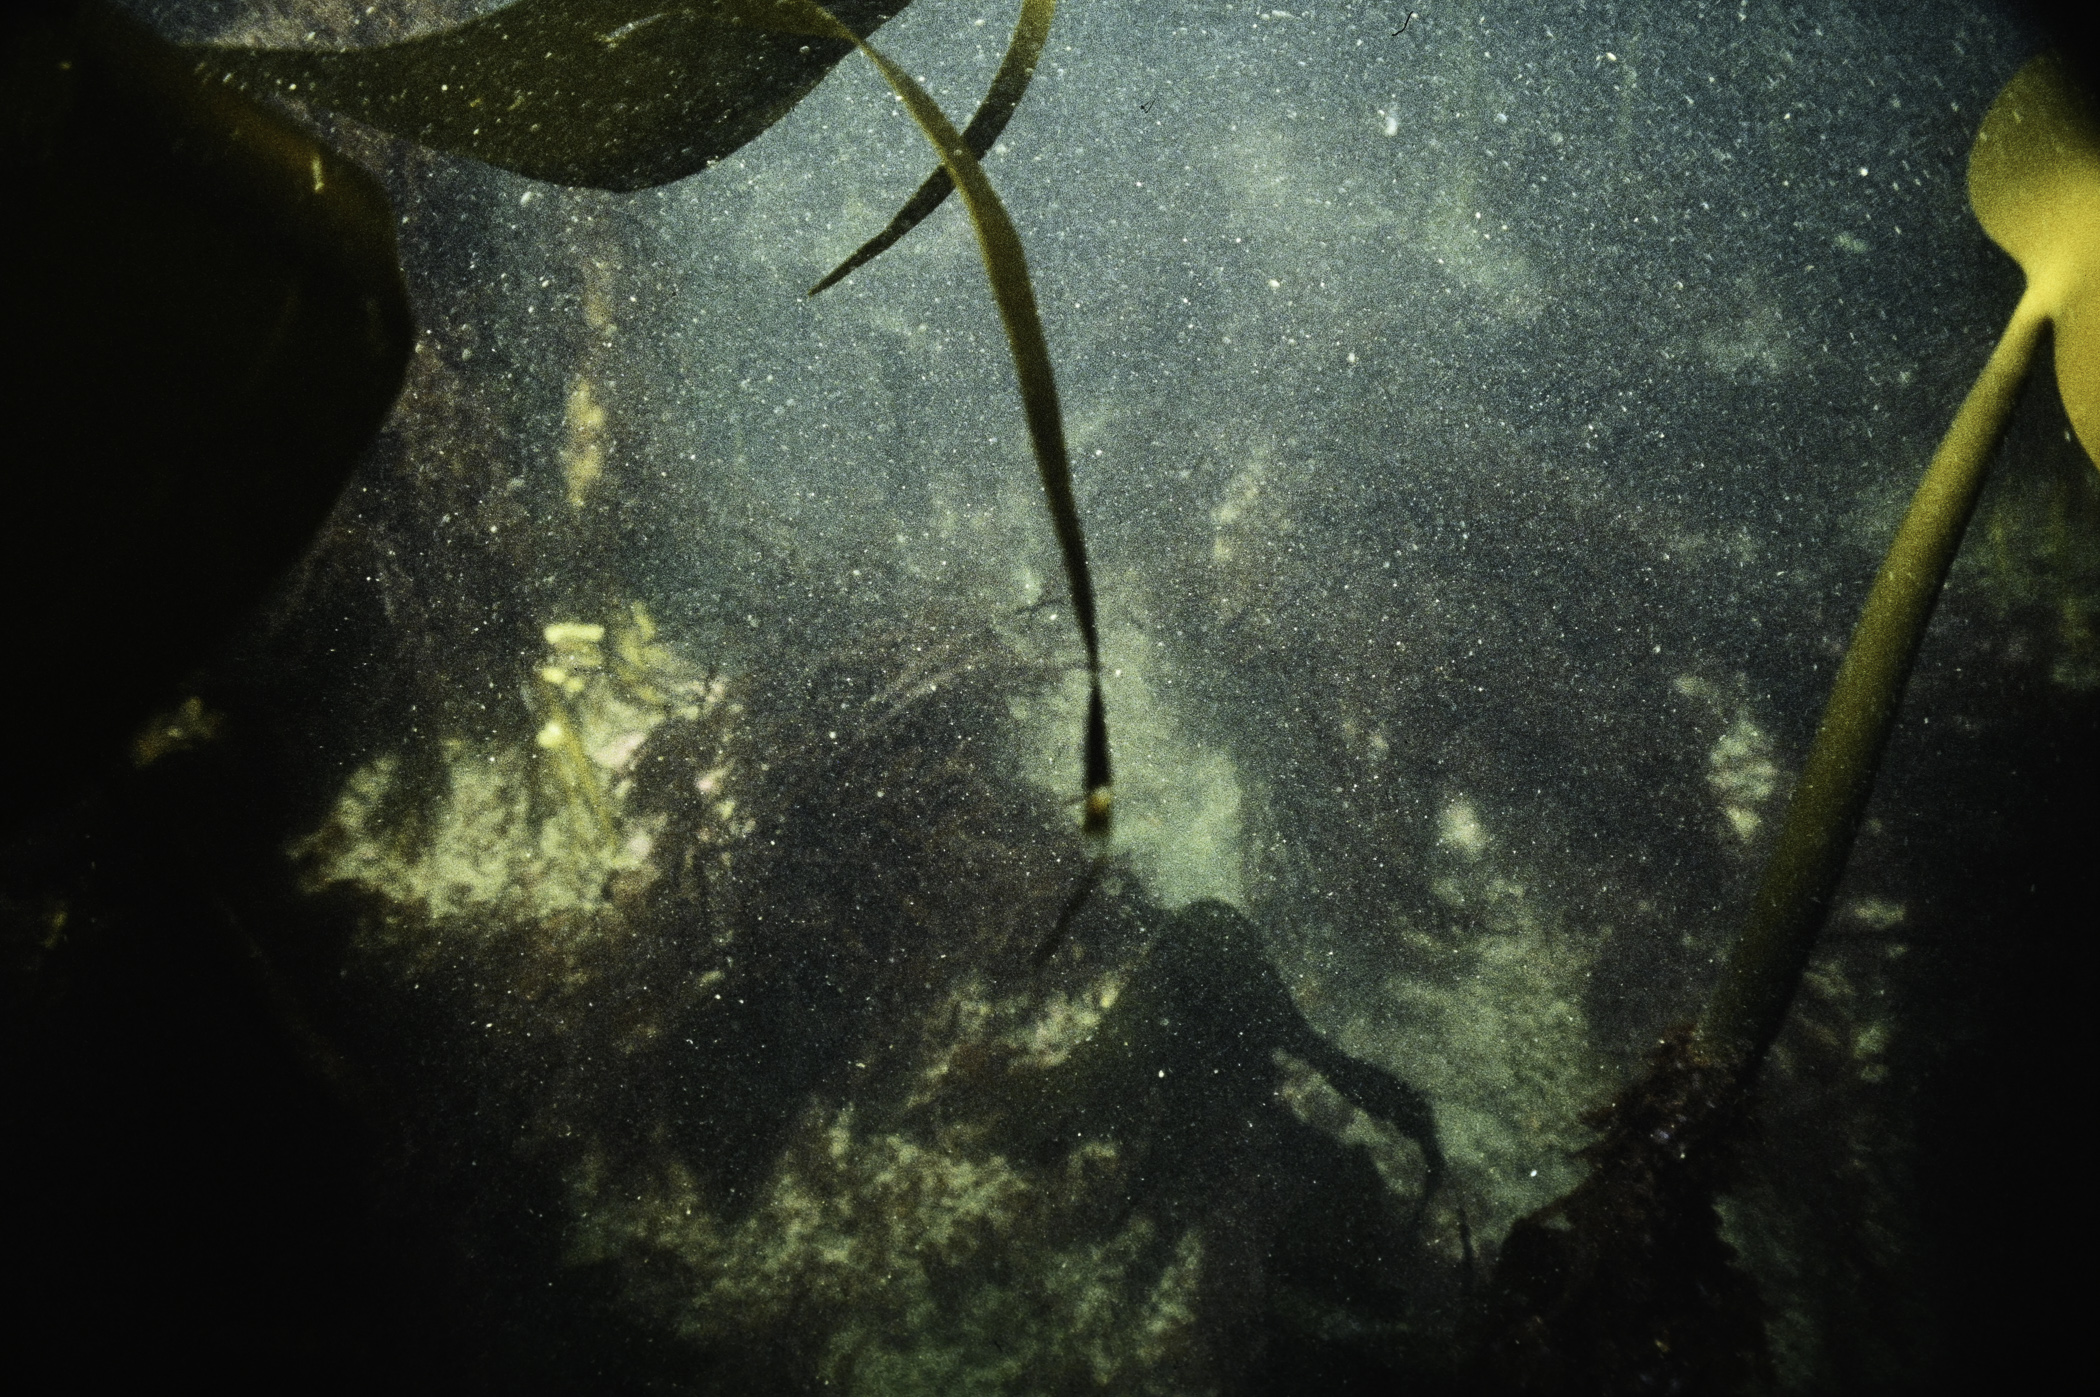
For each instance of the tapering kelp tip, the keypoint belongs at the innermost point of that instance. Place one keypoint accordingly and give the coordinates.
(1100, 812)
(1100, 781)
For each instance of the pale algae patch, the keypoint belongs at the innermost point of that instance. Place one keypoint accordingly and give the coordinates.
(1741, 769)
(1252, 528)
(1495, 1032)
(583, 452)
(1455, 221)
(1459, 827)
(1179, 802)
(488, 848)
(901, 1257)
(522, 834)
(891, 1250)
(1037, 1030)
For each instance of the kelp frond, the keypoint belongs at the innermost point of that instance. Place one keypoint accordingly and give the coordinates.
(622, 94)
(2034, 182)
(604, 94)
(1023, 51)
(1006, 264)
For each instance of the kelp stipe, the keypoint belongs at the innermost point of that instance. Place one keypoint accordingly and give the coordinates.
(2034, 182)
(1626, 1281)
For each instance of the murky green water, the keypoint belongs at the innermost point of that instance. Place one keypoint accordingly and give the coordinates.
(1485, 434)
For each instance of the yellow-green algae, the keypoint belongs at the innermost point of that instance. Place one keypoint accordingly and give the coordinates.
(526, 835)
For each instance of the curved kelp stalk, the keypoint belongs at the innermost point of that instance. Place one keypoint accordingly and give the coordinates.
(605, 94)
(1006, 264)
(624, 94)
(1023, 52)
(2034, 182)
(1625, 1283)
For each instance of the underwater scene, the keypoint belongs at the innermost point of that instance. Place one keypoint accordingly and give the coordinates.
(1155, 790)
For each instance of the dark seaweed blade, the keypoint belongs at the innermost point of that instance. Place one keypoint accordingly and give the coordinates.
(1006, 265)
(213, 325)
(608, 94)
(1031, 32)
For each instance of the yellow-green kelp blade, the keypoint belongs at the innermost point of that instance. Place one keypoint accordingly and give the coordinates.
(1023, 51)
(2034, 181)
(1006, 265)
(607, 94)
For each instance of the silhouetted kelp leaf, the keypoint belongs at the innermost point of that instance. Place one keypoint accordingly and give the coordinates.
(2034, 181)
(608, 94)
(1023, 51)
(1006, 264)
(213, 325)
